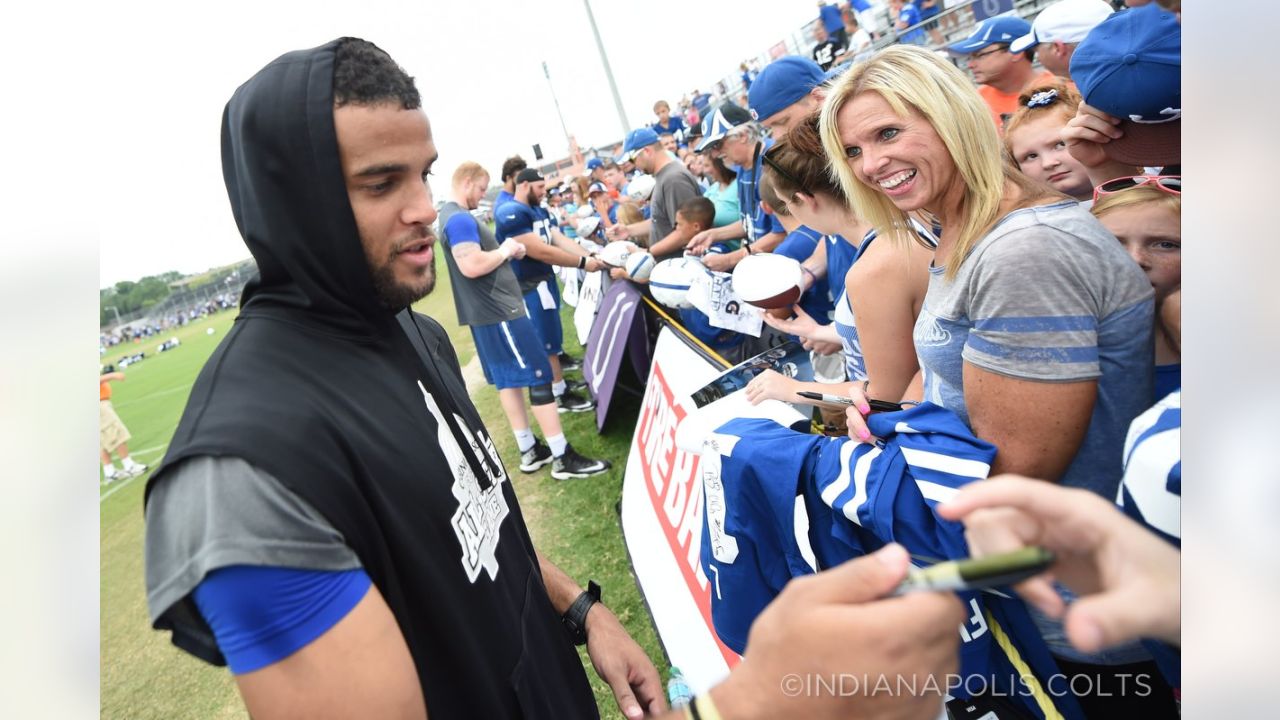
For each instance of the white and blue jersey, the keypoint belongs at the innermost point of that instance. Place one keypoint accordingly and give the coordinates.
(855, 363)
(1151, 493)
(858, 498)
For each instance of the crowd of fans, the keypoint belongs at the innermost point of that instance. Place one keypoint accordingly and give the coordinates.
(138, 332)
(1004, 244)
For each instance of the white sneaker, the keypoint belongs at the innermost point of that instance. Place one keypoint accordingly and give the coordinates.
(135, 470)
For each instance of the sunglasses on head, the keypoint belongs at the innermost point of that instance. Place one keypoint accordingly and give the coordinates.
(773, 165)
(1171, 184)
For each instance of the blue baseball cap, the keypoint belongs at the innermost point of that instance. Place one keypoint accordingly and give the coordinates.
(781, 84)
(1130, 66)
(594, 163)
(637, 139)
(998, 29)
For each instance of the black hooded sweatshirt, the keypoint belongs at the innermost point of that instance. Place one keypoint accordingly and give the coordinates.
(325, 389)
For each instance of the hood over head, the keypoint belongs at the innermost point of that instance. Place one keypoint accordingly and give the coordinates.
(284, 179)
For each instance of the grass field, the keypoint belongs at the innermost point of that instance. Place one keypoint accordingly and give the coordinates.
(573, 523)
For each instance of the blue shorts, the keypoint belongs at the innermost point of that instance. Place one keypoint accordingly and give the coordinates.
(511, 355)
(546, 323)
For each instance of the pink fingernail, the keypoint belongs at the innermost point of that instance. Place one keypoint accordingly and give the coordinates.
(864, 408)
(864, 434)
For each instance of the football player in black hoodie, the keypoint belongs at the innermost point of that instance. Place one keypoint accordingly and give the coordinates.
(332, 519)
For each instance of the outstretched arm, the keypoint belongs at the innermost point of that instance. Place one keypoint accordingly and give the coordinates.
(1128, 577)
(617, 659)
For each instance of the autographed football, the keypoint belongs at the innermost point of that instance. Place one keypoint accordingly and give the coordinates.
(669, 281)
(639, 266)
(767, 280)
(616, 252)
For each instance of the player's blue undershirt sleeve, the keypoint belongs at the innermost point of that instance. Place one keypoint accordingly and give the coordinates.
(461, 228)
(261, 615)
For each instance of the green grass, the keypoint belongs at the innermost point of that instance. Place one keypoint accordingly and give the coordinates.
(574, 524)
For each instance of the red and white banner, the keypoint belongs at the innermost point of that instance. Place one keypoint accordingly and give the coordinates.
(662, 508)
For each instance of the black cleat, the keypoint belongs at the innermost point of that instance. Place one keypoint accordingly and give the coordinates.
(535, 457)
(569, 362)
(573, 465)
(571, 401)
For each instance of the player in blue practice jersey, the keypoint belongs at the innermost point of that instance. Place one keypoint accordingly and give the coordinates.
(524, 220)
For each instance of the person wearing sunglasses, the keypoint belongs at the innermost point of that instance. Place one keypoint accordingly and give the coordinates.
(1033, 139)
(1036, 328)
(1145, 214)
(1001, 74)
(732, 134)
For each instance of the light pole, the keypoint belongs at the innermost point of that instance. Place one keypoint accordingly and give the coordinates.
(608, 71)
(567, 143)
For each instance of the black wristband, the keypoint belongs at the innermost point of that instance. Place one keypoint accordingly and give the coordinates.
(693, 708)
(582, 263)
(575, 618)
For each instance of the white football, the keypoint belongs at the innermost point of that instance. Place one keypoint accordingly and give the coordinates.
(639, 266)
(587, 226)
(616, 252)
(669, 281)
(641, 187)
(767, 280)
(585, 211)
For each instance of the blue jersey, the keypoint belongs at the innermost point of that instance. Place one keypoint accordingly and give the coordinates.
(757, 222)
(798, 245)
(699, 325)
(514, 219)
(831, 19)
(674, 127)
(840, 255)
(1167, 378)
(858, 497)
(503, 198)
(908, 16)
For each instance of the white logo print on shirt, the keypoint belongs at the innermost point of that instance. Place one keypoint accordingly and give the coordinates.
(929, 332)
(480, 513)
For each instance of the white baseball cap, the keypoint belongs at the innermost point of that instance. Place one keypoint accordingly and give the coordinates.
(1068, 21)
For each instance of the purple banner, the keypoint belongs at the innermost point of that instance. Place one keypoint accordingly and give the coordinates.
(609, 343)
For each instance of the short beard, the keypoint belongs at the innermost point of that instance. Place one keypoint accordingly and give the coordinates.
(397, 296)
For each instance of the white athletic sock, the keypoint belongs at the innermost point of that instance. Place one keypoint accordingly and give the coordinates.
(108, 469)
(558, 388)
(557, 444)
(525, 439)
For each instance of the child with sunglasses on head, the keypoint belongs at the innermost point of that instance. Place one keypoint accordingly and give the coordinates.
(1033, 139)
(1144, 212)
